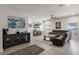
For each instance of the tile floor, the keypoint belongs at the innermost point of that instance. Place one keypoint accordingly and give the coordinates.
(70, 48)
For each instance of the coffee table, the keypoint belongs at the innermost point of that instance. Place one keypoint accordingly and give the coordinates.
(49, 36)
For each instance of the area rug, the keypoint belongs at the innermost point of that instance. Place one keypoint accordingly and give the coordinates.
(31, 50)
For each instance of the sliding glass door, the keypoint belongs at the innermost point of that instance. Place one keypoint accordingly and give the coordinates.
(73, 27)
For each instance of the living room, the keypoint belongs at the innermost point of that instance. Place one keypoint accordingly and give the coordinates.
(47, 28)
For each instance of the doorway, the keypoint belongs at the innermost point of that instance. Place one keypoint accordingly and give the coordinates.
(73, 27)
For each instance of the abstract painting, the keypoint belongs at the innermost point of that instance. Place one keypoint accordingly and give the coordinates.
(16, 22)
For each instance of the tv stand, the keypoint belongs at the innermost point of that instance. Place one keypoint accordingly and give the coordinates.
(10, 40)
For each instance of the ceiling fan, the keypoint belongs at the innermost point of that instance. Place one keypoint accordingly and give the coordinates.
(53, 17)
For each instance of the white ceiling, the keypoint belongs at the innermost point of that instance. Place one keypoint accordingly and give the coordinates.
(43, 10)
(35, 9)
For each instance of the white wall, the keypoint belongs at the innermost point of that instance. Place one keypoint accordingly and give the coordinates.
(4, 13)
(65, 11)
(66, 21)
(63, 24)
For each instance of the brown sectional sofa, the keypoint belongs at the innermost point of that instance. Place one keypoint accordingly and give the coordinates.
(59, 31)
(61, 38)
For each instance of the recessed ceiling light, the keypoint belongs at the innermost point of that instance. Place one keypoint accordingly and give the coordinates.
(34, 16)
(68, 4)
(60, 5)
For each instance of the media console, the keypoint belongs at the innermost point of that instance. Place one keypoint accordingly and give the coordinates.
(10, 40)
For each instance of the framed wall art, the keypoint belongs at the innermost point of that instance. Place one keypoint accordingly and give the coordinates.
(16, 22)
(58, 25)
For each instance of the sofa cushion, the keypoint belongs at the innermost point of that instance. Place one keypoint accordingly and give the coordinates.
(60, 37)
